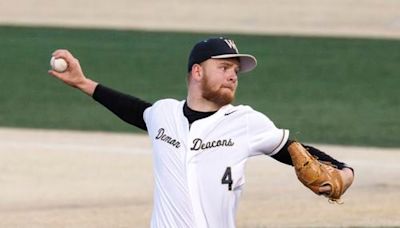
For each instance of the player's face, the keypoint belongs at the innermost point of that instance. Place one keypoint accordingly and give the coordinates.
(220, 80)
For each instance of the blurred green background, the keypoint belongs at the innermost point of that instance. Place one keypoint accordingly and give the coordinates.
(325, 90)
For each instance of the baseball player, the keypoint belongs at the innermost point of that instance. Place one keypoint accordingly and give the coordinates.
(200, 144)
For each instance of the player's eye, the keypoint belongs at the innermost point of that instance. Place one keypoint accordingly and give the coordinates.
(223, 67)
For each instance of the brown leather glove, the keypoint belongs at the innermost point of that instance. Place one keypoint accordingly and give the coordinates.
(314, 174)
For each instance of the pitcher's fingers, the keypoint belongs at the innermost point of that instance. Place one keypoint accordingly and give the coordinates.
(54, 74)
(65, 54)
(61, 52)
(325, 189)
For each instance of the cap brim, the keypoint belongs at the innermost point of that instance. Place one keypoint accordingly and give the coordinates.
(247, 62)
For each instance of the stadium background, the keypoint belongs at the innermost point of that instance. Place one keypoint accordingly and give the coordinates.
(332, 65)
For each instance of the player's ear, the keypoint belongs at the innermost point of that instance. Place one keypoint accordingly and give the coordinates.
(197, 72)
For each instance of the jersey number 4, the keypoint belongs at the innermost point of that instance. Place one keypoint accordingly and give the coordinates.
(227, 178)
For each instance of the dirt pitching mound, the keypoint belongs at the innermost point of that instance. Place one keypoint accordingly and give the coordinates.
(94, 179)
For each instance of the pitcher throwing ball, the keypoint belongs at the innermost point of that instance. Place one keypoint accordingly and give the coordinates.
(202, 143)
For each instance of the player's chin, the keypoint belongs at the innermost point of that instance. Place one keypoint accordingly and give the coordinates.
(222, 96)
(226, 97)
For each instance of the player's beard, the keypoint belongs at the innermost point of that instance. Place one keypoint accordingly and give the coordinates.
(220, 96)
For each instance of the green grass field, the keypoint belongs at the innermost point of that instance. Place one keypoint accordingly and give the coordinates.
(325, 90)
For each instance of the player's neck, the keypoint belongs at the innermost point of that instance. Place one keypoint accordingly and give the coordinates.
(201, 105)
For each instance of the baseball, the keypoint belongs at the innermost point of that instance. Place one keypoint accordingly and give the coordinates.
(59, 65)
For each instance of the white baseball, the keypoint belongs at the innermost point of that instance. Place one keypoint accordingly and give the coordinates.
(59, 64)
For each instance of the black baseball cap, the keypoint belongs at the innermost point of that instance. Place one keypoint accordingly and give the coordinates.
(220, 48)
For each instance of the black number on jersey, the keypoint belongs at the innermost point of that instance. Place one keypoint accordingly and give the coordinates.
(227, 178)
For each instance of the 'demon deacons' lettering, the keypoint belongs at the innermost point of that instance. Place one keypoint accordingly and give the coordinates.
(166, 138)
(199, 144)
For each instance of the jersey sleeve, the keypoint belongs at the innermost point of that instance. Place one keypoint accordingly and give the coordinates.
(128, 108)
(161, 111)
(264, 137)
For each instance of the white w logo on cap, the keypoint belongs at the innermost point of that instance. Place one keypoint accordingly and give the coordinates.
(231, 44)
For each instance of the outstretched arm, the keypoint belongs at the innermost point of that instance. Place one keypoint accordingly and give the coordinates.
(128, 108)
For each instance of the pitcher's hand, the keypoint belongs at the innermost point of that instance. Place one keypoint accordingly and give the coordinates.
(73, 76)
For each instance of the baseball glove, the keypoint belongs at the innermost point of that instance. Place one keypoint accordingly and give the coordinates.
(314, 174)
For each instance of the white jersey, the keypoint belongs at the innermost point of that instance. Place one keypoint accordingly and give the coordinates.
(199, 169)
